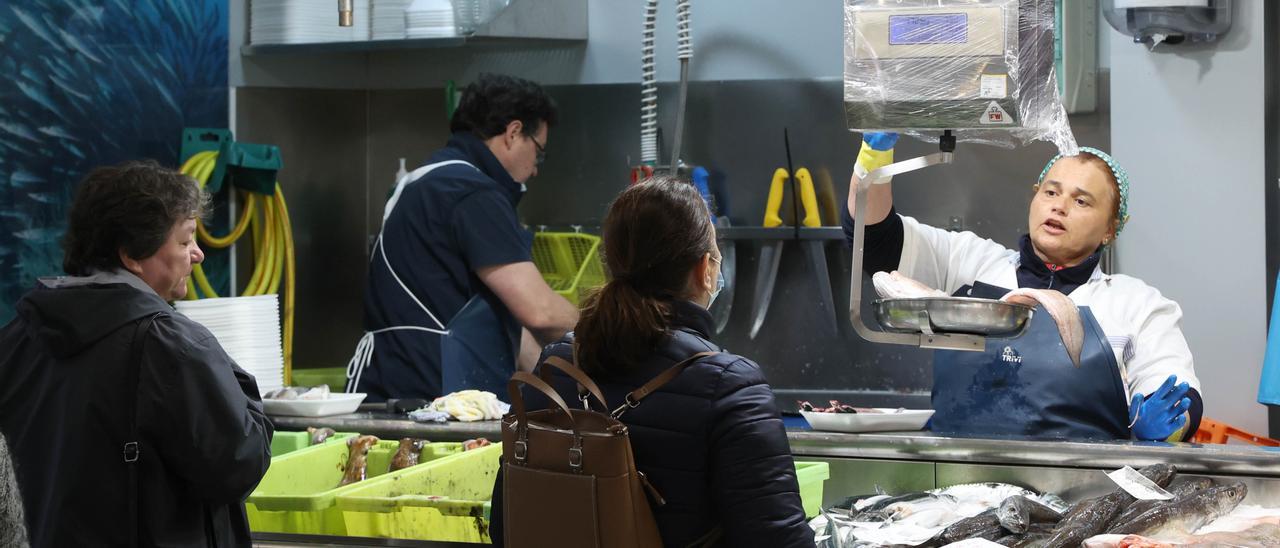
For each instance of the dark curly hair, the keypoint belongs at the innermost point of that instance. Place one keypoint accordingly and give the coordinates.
(130, 207)
(495, 100)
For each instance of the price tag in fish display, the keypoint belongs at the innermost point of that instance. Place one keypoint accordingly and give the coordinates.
(1138, 485)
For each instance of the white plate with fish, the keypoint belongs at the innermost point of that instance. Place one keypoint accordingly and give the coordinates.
(884, 419)
(337, 403)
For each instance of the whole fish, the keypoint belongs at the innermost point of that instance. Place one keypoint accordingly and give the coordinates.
(1093, 516)
(407, 454)
(990, 494)
(357, 458)
(1017, 513)
(1180, 488)
(1090, 520)
(318, 435)
(1035, 535)
(1063, 311)
(1184, 516)
(983, 525)
(893, 285)
(877, 511)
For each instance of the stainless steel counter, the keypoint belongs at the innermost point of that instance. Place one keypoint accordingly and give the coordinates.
(894, 446)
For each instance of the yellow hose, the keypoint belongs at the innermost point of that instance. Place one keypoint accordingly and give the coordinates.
(266, 219)
(289, 287)
(246, 213)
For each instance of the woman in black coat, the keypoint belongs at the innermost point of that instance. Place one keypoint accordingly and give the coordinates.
(711, 441)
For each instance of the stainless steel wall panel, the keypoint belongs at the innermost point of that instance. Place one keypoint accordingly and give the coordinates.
(341, 149)
(322, 140)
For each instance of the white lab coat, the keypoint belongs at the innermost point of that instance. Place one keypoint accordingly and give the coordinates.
(1143, 327)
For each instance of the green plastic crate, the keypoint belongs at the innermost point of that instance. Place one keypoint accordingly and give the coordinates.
(812, 476)
(283, 443)
(444, 500)
(569, 262)
(335, 377)
(298, 492)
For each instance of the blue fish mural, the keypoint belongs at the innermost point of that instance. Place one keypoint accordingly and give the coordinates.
(94, 82)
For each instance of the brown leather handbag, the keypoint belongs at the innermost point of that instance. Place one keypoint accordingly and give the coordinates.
(570, 479)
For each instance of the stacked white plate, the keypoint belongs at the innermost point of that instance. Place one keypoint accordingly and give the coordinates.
(468, 15)
(305, 21)
(388, 19)
(248, 328)
(430, 19)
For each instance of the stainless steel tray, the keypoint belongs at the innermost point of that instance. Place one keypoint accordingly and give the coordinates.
(930, 315)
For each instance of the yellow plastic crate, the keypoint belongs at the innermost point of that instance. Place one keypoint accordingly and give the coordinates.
(444, 500)
(569, 262)
(812, 476)
(283, 443)
(298, 492)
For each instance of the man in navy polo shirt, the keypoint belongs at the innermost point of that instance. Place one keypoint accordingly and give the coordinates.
(453, 299)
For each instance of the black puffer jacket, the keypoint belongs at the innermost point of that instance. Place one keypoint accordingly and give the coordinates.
(711, 441)
(65, 391)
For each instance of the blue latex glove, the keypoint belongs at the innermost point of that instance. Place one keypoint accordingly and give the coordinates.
(880, 140)
(1157, 416)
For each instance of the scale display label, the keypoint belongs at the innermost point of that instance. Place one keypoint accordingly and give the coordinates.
(942, 28)
(994, 86)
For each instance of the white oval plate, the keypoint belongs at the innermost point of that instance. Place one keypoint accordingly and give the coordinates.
(890, 420)
(338, 403)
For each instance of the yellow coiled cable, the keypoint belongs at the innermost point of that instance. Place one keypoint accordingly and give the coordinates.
(266, 218)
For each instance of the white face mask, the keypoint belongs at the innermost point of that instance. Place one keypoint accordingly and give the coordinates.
(719, 283)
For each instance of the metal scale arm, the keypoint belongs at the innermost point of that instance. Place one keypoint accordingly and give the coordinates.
(928, 339)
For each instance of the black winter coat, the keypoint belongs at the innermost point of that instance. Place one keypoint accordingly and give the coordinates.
(65, 388)
(711, 441)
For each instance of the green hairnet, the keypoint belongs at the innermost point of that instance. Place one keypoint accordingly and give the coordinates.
(1122, 181)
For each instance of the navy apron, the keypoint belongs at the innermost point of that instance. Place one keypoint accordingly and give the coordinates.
(478, 346)
(479, 351)
(1026, 386)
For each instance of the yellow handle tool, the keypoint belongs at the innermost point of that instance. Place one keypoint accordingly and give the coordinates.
(771, 218)
(808, 198)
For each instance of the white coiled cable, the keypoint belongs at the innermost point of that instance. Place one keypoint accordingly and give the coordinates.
(683, 35)
(684, 50)
(649, 87)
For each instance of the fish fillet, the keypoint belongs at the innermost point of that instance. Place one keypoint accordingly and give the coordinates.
(893, 285)
(1061, 309)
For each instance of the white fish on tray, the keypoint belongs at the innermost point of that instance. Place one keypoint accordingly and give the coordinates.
(299, 393)
(1065, 313)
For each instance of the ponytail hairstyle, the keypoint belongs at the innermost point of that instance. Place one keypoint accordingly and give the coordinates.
(654, 234)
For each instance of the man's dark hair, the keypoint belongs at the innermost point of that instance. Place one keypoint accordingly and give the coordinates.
(131, 206)
(494, 100)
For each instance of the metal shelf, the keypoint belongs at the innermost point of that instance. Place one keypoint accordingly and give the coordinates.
(522, 22)
(780, 233)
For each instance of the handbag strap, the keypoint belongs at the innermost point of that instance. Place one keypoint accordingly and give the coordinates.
(633, 398)
(521, 449)
(131, 448)
(584, 382)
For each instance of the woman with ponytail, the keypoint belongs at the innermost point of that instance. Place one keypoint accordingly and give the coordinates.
(711, 441)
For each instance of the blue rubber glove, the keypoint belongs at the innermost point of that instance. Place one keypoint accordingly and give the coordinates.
(1162, 413)
(878, 140)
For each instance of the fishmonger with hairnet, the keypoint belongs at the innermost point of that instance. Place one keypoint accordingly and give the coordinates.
(1135, 377)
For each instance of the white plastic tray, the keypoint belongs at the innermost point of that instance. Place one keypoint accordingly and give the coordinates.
(890, 420)
(338, 403)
